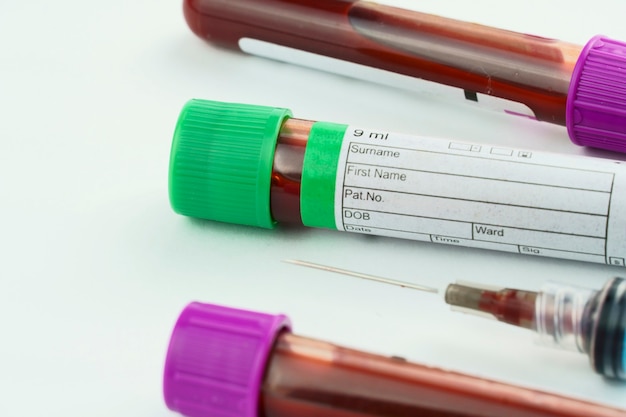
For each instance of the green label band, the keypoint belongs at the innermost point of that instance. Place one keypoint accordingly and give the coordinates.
(319, 172)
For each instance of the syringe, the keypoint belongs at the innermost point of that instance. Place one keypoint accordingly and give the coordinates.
(565, 316)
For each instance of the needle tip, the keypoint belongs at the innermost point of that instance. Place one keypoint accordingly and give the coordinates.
(363, 276)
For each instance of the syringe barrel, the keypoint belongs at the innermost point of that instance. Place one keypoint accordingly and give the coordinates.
(225, 362)
(256, 165)
(558, 82)
(561, 316)
(585, 320)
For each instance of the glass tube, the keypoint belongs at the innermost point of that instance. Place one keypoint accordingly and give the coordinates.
(287, 170)
(230, 159)
(527, 69)
(307, 378)
(228, 362)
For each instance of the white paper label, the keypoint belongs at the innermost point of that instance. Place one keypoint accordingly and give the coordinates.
(482, 196)
(379, 76)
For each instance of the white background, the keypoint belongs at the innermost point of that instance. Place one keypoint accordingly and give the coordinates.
(95, 265)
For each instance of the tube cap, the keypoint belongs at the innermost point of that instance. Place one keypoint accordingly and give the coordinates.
(596, 101)
(216, 360)
(221, 161)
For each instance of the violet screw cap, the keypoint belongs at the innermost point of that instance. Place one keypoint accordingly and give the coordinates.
(596, 100)
(217, 359)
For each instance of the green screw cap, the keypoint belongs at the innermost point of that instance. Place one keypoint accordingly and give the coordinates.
(221, 161)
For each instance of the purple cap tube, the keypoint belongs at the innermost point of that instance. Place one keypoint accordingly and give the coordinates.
(550, 80)
(225, 362)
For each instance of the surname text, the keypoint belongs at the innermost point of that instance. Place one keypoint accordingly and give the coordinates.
(374, 151)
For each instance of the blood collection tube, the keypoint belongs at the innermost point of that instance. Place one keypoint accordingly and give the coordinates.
(225, 362)
(256, 165)
(565, 316)
(581, 87)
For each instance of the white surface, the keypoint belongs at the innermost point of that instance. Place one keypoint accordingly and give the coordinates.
(96, 266)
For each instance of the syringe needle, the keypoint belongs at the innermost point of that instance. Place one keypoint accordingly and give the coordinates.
(363, 276)
(568, 317)
(512, 306)
(507, 305)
